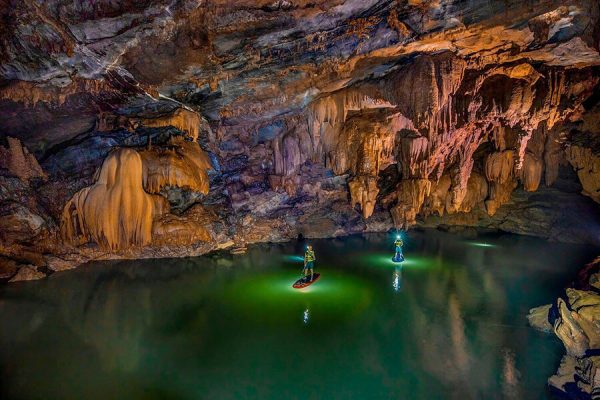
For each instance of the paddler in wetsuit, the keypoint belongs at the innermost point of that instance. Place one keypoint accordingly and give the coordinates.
(398, 257)
(309, 261)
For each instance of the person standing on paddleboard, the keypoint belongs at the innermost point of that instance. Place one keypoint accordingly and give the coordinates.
(309, 261)
(398, 256)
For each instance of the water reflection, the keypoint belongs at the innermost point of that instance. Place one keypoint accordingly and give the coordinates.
(224, 327)
(306, 316)
(397, 279)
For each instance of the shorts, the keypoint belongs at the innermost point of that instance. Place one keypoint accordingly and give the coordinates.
(310, 265)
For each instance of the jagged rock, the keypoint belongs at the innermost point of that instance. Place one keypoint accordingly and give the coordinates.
(19, 161)
(538, 318)
(8, 268)
(27, 273)
(19, 221)
(577, 325)
(595, 280)
(62, 264)
(587, 165)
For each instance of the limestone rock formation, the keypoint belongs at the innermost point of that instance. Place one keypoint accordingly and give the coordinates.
(19, 162)
(587, 165)
(284, 118)
(123, 208)
(115, 211)
(576, 321)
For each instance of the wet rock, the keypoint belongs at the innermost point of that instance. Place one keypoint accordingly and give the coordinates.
(8, 268)
(56, 264)
(538, 318)
(27, 273)
(576, 322)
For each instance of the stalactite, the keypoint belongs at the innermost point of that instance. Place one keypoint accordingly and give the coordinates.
(531, 172)
(553, 156)
(499, 166)
(411, 195)
(183, 119)
(181, 164)
(412, 159)
(587, 165)
(499, 172)
(363, 191)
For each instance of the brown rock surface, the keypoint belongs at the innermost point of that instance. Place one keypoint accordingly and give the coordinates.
(285, 118)
(576, 321)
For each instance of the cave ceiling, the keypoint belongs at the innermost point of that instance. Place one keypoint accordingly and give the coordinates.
(321, 117)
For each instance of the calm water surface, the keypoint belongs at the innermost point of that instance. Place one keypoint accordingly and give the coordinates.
(449, 324)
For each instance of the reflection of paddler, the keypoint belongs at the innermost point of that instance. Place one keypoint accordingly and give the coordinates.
(398, 257)
(309, 261)
(397, 279)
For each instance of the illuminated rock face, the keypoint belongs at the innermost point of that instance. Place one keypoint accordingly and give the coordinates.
(250, 121)
(120, 210)
(115, 211)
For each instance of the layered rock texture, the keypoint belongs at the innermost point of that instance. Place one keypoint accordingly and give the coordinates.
(575, 319)
(170, 128)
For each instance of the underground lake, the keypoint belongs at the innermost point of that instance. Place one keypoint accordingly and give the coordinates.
(450, 322)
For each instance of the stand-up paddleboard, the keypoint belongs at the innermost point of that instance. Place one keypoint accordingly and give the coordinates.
(398, 259)
(306, 281)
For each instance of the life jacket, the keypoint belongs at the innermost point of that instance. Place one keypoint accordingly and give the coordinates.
(309, 256)
(399, 243)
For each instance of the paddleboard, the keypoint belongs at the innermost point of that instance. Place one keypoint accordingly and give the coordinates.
(398, 260)
(306, 281)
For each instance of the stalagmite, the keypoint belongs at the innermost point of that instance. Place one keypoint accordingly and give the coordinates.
(115, 211)
(19, 161)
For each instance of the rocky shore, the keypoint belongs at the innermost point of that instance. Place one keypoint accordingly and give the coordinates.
(575, 319)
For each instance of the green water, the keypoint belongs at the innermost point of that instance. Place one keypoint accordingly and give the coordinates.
(449, 324)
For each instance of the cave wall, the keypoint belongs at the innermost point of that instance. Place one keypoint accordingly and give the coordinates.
(154, 128)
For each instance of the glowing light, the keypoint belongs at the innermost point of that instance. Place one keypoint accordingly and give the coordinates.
(386, 261)
(297, 259)
(270, 297)
(306, 316)
(482, 244)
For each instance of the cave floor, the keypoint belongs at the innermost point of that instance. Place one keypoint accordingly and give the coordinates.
(451, 322)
